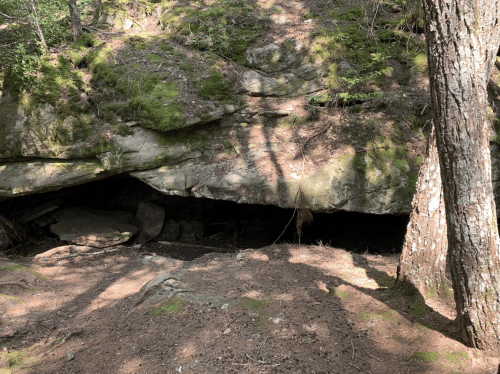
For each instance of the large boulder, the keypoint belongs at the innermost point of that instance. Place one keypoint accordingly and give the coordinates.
(112, 14)
(272, 58)
(151, 218)
(338, 185)
(94, 228)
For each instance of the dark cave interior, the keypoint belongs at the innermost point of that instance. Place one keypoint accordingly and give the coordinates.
(223, 225)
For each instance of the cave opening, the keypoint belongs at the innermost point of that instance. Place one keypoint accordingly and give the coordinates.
(192, 226)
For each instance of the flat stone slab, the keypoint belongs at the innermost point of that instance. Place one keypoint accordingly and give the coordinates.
(94, 228)
(284, 85)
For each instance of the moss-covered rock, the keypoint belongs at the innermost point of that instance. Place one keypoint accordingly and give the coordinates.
(273, 58)
(112, 14)
(226, 28)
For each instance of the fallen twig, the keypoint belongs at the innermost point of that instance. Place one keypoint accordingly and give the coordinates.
(353, 349)
(69, 335)
(262, 362)
(372, 356)
(6, 16)
(137, 23)
(90, 254)
(7, 236)
(15, 227)
(265, 339)
(64, 248)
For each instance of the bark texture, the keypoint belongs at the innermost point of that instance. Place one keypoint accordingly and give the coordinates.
(76, 25)
(462, 41)
(422, 263)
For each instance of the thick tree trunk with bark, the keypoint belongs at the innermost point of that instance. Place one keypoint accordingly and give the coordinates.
(462, 41)
(422, 263)
(76, 25)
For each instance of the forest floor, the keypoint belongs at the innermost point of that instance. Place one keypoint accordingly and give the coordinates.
(279, 309)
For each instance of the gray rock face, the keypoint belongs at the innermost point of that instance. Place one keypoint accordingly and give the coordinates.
(94, 228)
(285, 85)
(272, 58)
(37, 212)
(246, 157)
(337, 186)
(22, 178)
(112, 15)
(151, 218)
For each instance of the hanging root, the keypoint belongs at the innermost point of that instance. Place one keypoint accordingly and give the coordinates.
(304, 216)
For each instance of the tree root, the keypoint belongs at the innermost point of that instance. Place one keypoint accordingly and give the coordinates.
(69, 335)
(14, 284)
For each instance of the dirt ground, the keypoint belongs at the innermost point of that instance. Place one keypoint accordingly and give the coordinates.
(278, 309)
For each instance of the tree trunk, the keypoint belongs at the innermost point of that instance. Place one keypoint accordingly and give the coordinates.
(76, 25)
(422, 263)
(462, 41)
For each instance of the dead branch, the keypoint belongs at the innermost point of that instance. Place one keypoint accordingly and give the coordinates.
(69, 335)
(6, 16)
(372, 356)
(15, 227)
(201, 247)
(7, 236)
(354, 366)
(91, 253)
(14, 284)
(261, 362)
(64, 248)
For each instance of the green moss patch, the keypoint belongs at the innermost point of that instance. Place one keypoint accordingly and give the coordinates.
(253, 304)
(17, 267)
(174, 305)
(159, 88)
(387, 281)
(335, 292)
(13, 267)
(389, 315)
(360, 61)
(426, 356)
(258, 306)
(417, 307)
(225, 27)
(17, 299)
(156, 102)
(457, 358)
(214, 88)
(17, 360)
